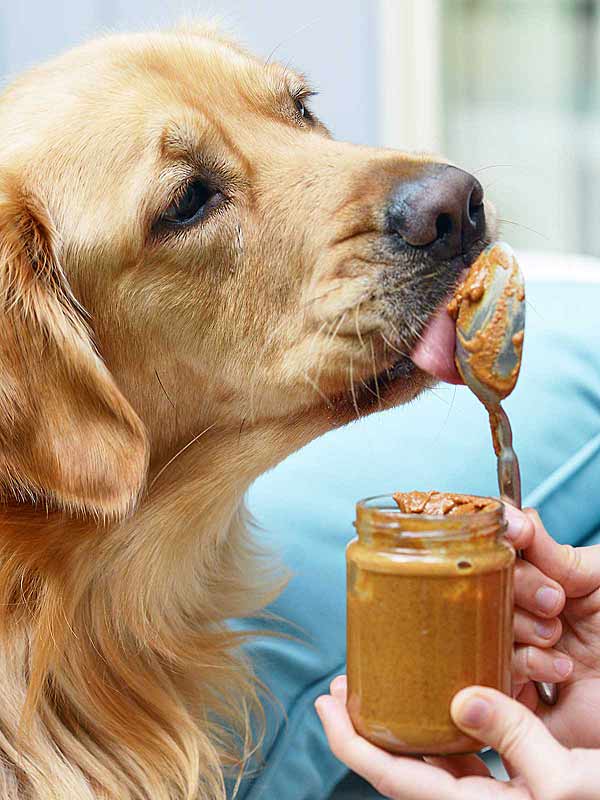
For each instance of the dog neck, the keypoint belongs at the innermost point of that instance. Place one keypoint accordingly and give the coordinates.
(133, 616)
(193, 517)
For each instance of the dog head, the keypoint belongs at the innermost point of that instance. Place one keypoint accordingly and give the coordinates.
(183, 244)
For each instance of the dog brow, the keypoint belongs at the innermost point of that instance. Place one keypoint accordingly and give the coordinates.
(184, 141)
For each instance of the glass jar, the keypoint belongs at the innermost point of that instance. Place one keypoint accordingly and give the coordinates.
(429, 612)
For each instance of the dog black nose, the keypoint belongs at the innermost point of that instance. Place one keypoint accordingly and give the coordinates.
(442, 210)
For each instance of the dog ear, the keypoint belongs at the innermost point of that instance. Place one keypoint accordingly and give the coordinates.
(68, 437)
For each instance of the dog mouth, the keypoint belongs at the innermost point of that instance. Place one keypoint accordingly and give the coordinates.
(425, 354)
(433, 354)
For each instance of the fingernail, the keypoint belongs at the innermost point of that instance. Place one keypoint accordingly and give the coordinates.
(547, 599)
(563, 667)
(545, 628)
(516, 523)
(474, 713)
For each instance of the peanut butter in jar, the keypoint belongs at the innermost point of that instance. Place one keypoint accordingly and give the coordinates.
(429, 612)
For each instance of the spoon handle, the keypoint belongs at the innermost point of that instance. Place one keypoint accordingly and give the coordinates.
(509, 474)
(509, 483)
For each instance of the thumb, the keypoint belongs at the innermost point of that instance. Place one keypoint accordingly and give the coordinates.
(515, 732)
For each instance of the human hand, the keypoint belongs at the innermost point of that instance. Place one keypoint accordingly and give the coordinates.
(575, 720)
(539, 600)
(540, 767)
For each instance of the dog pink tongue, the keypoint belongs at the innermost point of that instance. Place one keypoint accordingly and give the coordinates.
(435, 351)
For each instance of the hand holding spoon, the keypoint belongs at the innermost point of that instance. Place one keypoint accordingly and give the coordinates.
(489, 310)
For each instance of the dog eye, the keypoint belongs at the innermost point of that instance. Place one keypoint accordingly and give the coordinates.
(300, 99)
(301, 108)
(195, 202)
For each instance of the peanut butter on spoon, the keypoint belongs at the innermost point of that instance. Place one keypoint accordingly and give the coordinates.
(489, 310)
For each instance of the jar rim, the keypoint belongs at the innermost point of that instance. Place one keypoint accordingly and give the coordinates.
(371, 509)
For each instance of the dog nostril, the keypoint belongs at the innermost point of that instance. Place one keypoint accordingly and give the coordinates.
(475, 206)
(443, 225)
(475, 212)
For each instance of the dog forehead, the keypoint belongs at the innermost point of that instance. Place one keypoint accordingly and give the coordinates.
(99, 110)
(212, 77)
(120, 83)
(192, 69)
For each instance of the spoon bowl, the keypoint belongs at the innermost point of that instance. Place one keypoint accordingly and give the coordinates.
(490, 324)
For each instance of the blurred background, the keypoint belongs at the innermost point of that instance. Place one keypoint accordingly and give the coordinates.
(509, 89)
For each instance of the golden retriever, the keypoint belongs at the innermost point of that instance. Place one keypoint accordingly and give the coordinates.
(195, 281)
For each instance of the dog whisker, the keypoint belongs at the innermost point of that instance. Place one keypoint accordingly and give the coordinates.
(179, 452)
(375, 373)
(243, 422)
(321, 296)
(357, 325)
(165, 391)
(392, 347)
(312, 345)
(493, 166)
(353, 391)
(297, 32)
(439, 397)
(429, 275)
(368, 388)
(338, 326)
(310, 349)
(414, 332)
(525, 227)
(334, 328)
(317, 389)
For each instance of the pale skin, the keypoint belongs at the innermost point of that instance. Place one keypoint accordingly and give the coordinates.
(557, 634)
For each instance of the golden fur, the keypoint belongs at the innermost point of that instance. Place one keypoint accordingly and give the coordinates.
(148, 376)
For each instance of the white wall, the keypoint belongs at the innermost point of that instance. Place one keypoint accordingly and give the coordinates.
(332, 41)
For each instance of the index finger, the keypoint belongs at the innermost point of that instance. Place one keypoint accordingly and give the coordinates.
(577, 569)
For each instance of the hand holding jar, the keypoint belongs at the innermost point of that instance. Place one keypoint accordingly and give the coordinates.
(575, 720)
(557, 630)
(540, 767)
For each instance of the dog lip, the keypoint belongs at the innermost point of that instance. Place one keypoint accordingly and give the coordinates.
(374, 389)
(402, 368)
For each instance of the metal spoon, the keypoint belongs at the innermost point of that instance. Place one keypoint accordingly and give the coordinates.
(490, 323)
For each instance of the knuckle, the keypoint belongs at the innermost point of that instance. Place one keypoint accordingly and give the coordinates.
(529, 659)
(573, 563)
(533, 515)
(514, 737)
(520, 662)
(528, 531)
